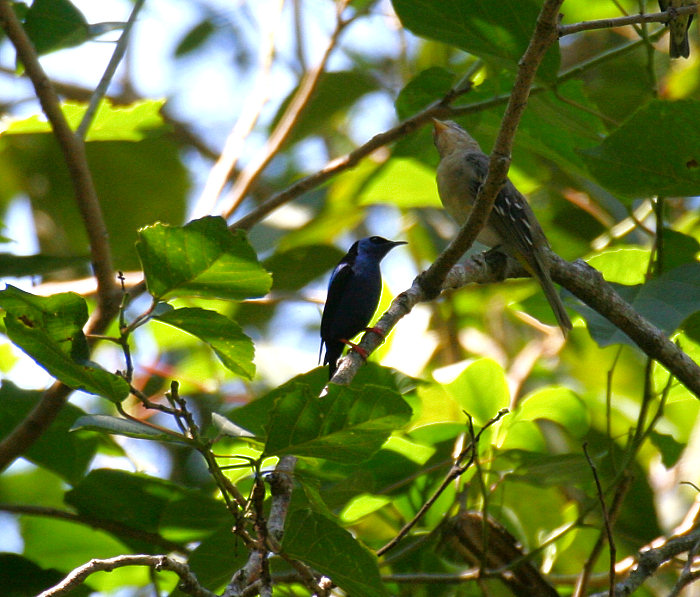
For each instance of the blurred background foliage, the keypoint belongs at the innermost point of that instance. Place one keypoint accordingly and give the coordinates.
(607, 153)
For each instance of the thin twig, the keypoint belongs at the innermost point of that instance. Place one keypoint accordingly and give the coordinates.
(106, 79)
(458, 468)
(606, 520)
(656, 17)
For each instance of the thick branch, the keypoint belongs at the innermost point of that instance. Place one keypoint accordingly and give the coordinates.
(588, 284)
(188, 581)
(108, 295)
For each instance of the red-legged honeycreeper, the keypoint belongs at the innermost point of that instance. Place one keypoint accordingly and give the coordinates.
(353, 295)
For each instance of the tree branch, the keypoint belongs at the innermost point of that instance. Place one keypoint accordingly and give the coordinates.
(102, 86)
(108, 293)
(650, 560)
(188, 581)
(656, 17)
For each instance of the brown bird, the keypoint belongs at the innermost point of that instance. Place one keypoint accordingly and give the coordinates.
(511, 227)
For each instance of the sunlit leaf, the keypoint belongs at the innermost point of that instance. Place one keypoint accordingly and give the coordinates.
(481, 390)
(226, 338)
(202, 258)
(50, 330)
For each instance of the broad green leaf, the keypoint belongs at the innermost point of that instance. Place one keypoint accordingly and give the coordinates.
(330, 549)
(226, 338)
(110, 123)
(202, 258)
(623, 265)
(37, 265)
(501, 35)
(20, 576)
(481, 390)
(422, 90)
(50, 330)
(144, 503)
(655, 152)
(544, 470)
(254, 416)
(136, 182)
(347, 425)
(55, 24)
(665, 301)
(402, 182)
(125, 427)
(57, 450)
(216, 559)
(558, 404)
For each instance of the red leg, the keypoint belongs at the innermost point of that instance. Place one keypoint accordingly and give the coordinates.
(377, 331)
(361, 351)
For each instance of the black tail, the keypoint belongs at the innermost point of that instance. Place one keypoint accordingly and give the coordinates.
(333, 352)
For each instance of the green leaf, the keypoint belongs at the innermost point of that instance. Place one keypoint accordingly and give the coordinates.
(216, 558)
(111, 123)
(294, 268)
(665, 301)
(195, 38)
(655, 152)
(55, 24)
(346, 425)
(146, 503)
(125, 427)
(500, 33)
(556, 404)
(224, 336)
(402, 182)
(20, 577)
(481, 390)
(546, 470)
(50, 330)
(330, 549)
(422, 90)
(202, 258)
(254, 415)
(56, 450)
(336, 91)
(37, 265)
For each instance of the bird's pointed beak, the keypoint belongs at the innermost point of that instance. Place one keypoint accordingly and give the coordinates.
(439, 126)
(396, 243)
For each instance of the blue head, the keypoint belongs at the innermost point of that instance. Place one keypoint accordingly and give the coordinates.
(374, 248)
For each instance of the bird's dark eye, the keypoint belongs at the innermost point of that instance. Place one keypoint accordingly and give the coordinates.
(376, 240)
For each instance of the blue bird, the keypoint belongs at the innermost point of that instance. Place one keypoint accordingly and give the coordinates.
(353, 296)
